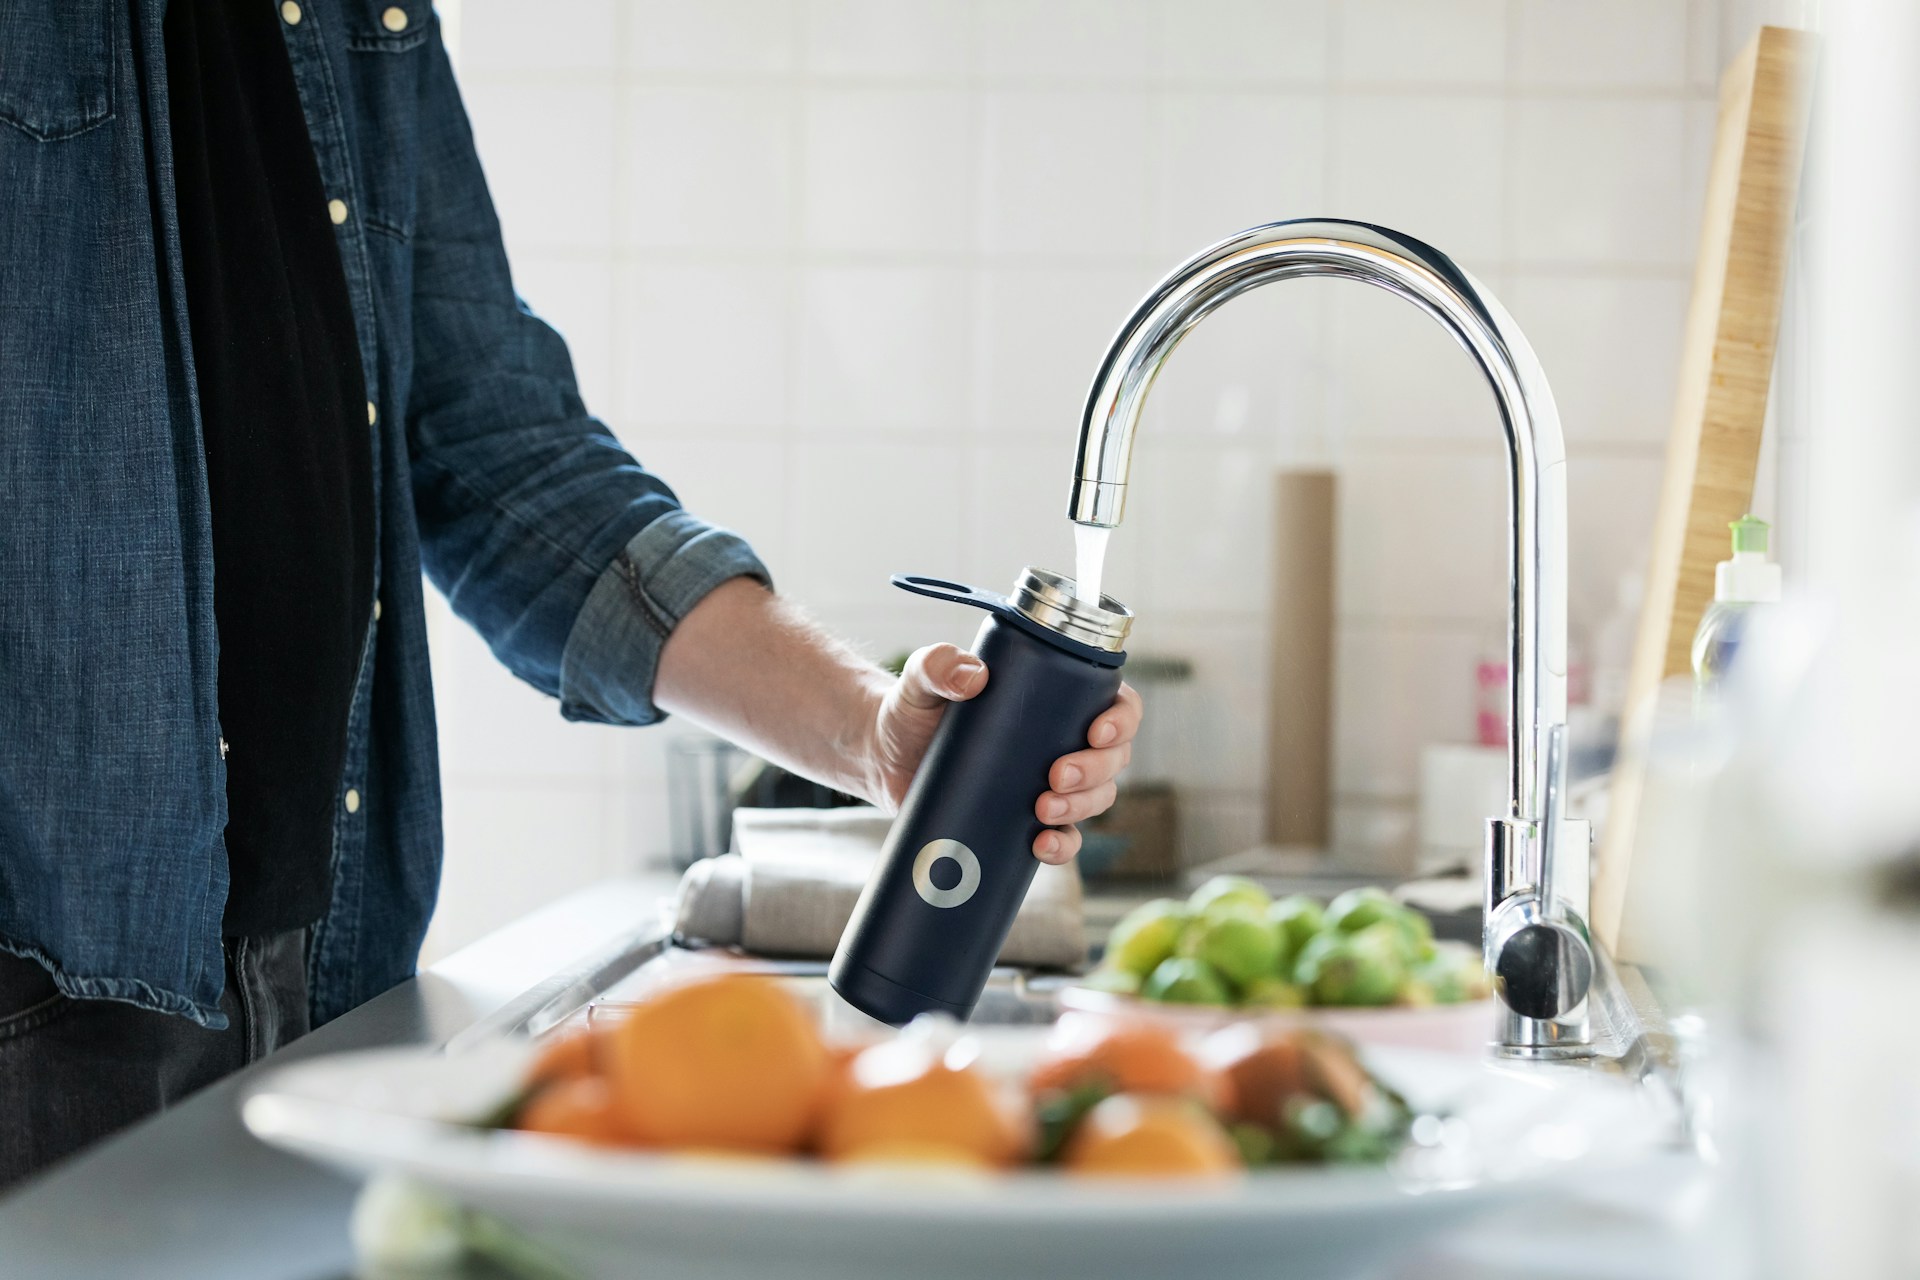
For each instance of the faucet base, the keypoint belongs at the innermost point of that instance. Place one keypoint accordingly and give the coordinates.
(1543, 1052)
(1540, 1039)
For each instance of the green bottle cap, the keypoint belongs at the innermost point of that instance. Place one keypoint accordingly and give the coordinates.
(1749, 534)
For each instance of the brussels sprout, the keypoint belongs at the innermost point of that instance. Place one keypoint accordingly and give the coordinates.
(1364, 968)
(1185, 980)
(1355, 909)
(1295, 918)
(1358, 909)
(1454, 974)
(1236, 942)
(1222, 891)
(1117, 981)
(1146, 935)
(1273, 993)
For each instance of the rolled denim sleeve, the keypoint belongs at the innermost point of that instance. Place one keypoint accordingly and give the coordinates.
(614, 651)
(570, 558)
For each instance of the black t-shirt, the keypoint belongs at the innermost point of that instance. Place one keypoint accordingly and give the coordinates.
(285, 421)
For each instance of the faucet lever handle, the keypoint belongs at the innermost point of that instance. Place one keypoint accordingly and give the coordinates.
(1552, 815)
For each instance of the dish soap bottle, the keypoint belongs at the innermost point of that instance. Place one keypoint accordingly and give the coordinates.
(1739, 584)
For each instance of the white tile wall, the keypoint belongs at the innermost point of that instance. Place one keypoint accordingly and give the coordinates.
(1610, 345)
(1603, 182)
(1061, 172)
(841, 270)
(1452, 42)
(1639, 44)
(559, 198)
(702, 344)
(1431, 166)
(888, 169)
(1224, 161)
(883, 347)
(681, 199)
(1065, 39)
(1242, 42)
(708, 35)
(887, 38)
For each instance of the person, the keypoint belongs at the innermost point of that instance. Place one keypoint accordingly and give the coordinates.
(261, 362)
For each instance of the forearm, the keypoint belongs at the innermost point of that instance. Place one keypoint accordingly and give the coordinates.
(754, 669)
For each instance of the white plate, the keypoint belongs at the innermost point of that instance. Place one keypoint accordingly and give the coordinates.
(1514, 1130)
(1447, 1028)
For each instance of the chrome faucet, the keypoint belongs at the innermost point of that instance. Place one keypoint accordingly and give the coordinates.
(1535, 935)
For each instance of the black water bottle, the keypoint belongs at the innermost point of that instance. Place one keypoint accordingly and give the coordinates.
(958, 861)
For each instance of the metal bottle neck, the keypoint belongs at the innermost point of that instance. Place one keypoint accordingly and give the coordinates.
(1047, 599)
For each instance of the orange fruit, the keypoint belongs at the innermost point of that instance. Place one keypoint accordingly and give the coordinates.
(582, 1107)
(1125, 1056)
(908, 1100)
(568, 1058)
(729, 1061)
(924, 1154)
(1152, 1136)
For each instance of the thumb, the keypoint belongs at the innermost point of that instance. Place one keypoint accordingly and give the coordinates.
(941, 673)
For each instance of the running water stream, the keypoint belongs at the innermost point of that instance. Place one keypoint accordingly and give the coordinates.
(1090, 561)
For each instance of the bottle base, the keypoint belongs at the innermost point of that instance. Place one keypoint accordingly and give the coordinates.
(885, 1000)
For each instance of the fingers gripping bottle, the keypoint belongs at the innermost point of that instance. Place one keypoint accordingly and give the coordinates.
(958, 861)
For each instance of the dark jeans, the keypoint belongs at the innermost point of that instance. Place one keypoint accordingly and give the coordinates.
(74, 1071)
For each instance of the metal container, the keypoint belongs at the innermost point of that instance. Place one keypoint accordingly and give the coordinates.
(959, 859)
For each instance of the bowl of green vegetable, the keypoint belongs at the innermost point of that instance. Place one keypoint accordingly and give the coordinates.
(1365, 965)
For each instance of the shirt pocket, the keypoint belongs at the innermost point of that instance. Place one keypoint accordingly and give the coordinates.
(385, 42)
(56, 66)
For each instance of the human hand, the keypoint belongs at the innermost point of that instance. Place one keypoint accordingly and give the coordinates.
(1080, 784)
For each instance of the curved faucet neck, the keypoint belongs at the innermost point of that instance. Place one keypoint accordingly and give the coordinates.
(1537, 628)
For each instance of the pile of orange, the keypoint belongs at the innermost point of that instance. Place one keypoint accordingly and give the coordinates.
(734, 1062)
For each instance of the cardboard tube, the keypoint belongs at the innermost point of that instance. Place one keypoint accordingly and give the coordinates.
(1300, 728)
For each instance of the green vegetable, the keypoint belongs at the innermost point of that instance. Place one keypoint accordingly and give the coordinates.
(1236, 942)
(1146, 935)
(1454, 976)
(1313, 1129)
(401, 1227)
(1355, 909)
(1256, 1143)
(1359, 909)
(1119, 982)
(1222, 891)
(1273, 993)
(1185, 980)
(1364, 968)
(1295, 919)
(1058, 1115)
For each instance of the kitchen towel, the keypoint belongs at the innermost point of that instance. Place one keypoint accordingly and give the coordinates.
(790, 885)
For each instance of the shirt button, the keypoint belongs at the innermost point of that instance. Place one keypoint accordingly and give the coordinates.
(353, 800)
(290, 13)
(376, 611)
(394, 19)
(373, 414)
(337, 210)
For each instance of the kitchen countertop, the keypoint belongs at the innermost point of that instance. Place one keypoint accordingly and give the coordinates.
(189, 1193)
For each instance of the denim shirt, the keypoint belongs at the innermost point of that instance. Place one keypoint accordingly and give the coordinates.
(571, 559)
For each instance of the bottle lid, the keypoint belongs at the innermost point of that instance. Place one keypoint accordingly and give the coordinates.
(1047, 598)
(1750, 534)
(1749, 577)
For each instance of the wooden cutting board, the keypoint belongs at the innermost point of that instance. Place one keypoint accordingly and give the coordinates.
(1720, 406)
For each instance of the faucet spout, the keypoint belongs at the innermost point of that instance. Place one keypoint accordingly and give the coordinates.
(1536, 457)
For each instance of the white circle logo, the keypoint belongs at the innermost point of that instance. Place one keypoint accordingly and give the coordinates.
(932, 852)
